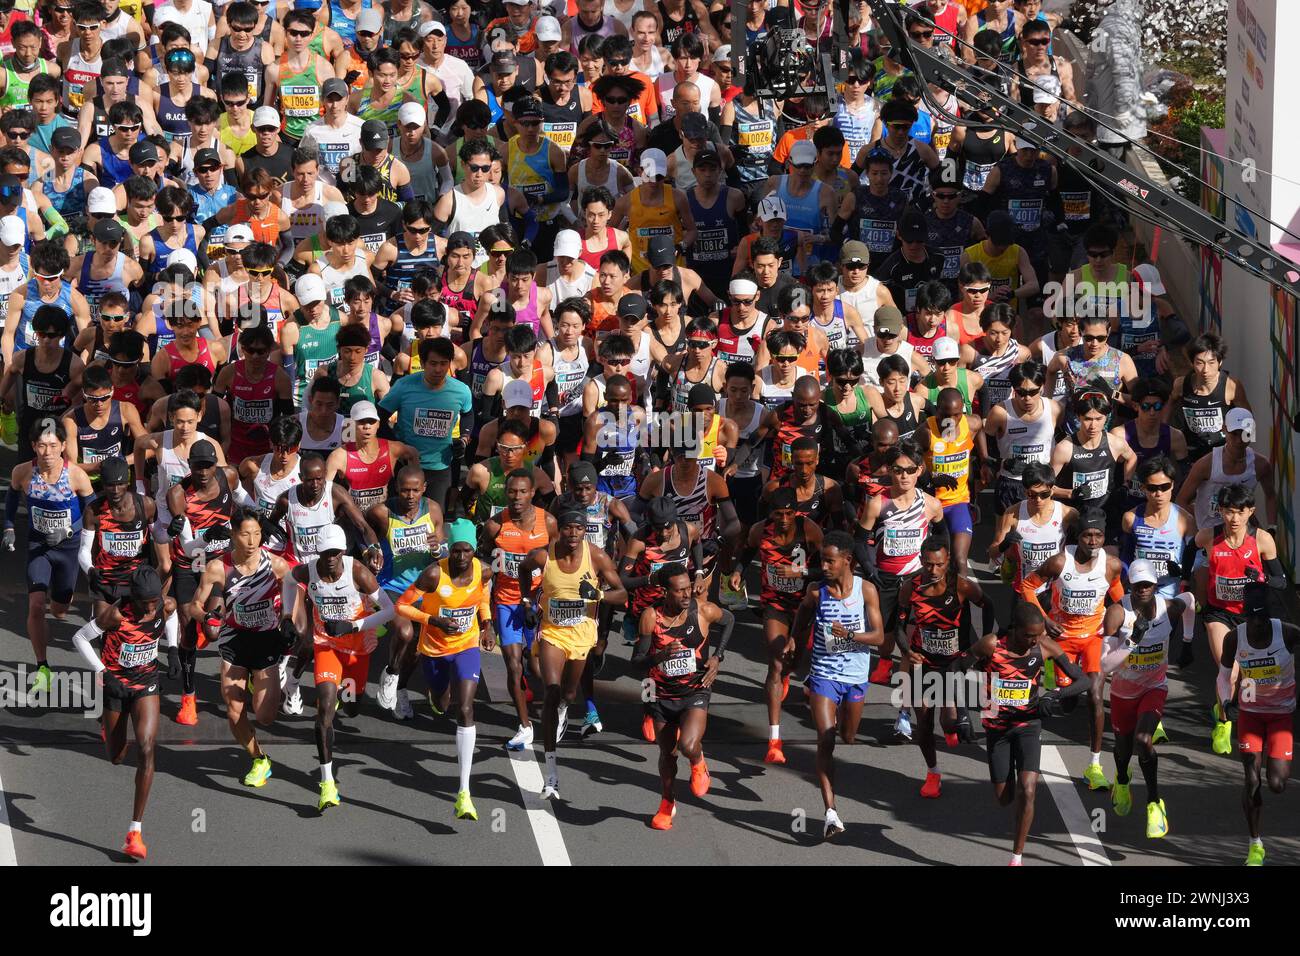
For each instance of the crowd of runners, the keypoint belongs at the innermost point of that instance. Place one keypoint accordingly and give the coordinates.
(429, 329)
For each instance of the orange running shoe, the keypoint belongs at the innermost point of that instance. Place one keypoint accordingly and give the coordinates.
(785, 687)
(881, 672)
(134, 846)
(950, 739)
(188, 714)
(930, 789)
(700, 778)
(663, 820)
(528, 693)
(648, 728)
(774, 752)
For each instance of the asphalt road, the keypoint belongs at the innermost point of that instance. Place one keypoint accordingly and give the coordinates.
(64, 803)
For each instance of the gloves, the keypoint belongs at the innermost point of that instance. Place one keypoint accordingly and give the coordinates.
(531, 618)
(269, 528)
(8, 540)
(588, 591)
(1049, 704)
(55, 538)
(1011, 539)
(1140, 628)
(288, 633)
(213, 620)
(965, 732)
(1173, 569)
(175, 525)
(173, 663)
(948, 482)
(339, 628)
(1185, 655)
(217, 533)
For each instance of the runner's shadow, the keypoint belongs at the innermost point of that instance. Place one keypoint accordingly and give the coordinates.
(19, 820)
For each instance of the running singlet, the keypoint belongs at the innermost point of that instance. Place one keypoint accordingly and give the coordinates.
(654, 557)
(679, 675)
(785, 570)
(131, 651)
(368, 481)
(306, 522)
(1270, 672)
(1079, 597)
(513, 544)
(407, 545)
(266, 491)
(252, 405)
(899, 533)
(460, 607)
(952, 457)
(96, 444)
(1231, 569)
(338, 601)
(54, 508)
(1147, 664)
(566, 615)
(203, 516)
(840, 658)
(252, 600)
(1038, 542)
(1013, 680)
(936, 623)
(119, 546)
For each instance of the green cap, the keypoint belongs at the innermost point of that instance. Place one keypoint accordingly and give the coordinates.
(462, 530)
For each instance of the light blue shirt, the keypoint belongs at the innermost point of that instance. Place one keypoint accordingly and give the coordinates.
(427, 418)
(840, 659)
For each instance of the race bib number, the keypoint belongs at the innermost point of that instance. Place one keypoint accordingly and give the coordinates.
(1159, 560)
(754, 136)
(433, 422)
(256, 615)
(1147, 657)
(409, 540)
(902, 542)
(711, 245)
(561, 134)
(620, 469)
(132, 656)
(951, 261)
(511, 561)
(252, 411)
(304, 539)
(1026, 213)
(1011, 693)
(570, 384)
(1028, 452)
(1080, 603)
(1204, 421)
(566, 613)
(839, 645)
(681, 664)
(457, 620)
(1261, 670)
(333, 607)
(996, 393)
(40, 396)
(47, 520)
(1231, 590)
(784, 579)
(93, 456)
(951, 464)
(121, 544)
(1077, 206)
(940, 643)
(367, 498)
(1034, 553)
(300, 101)
(1090, 485)
(878, 234)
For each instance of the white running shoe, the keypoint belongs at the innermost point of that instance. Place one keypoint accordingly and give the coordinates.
(903, 726)
(523, 738)
(293, 704)
(561, 721)
(552, 789)
(402, 709)
(388, 690)
(834, 825)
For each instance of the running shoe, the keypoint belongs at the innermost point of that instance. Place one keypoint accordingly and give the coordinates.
(648, 728)
(591, 724)
(1221, 738)
(933, 785)
(561, 721)
(465, 807)
(785, 687)
(903, 727)
(774, 752)
(1015, 863)
(663, 820)
(1121, 798)
(134, 846)
(292, 705)
(42, 680)
(1157, 822)
(552, 789)
(433, 704)
(1158, 735)
(1096, 777)
(402, 708)
(950, 739)
(700, 778)
(9, 430)
(260, 773)
(188, 714)
(523, 738)
(882, 670)
(329, 795)
(387, 690)
(1255, 856)
(528, 693)
(834, 825)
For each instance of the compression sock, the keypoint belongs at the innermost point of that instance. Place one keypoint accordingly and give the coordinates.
(1015, 859)
(550, 765)
(189, 658)
(171, 627)
(591, 705)
(1149, 775)
(327, 772)
(465, 752)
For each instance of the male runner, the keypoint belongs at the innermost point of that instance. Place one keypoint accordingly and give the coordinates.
(115, 535)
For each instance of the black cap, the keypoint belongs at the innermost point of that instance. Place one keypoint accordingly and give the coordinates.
(113, 471)
(207, 157)
(503, 61)
(374, 134)
(572, 516)
(661, 252)
(695, 125)
(912, 228)
(527, 107)
(114, 67)
(582, 472)
(1254, 598)
(707, 155)
(783, 499)
(661, 511)
(108, 230)
(143, 152)
(202, 453)
(65, 137)
(1093, 519)
(632, 304)
(145, 584)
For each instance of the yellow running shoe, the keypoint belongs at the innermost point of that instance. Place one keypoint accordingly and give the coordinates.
(42, 680)
(465, 807)
(1096, 777)
(329, 795)
(260, 773)
(1121, 798)
(1256, 855)
(1159, 735)
(1157, 822)
(1221, 739)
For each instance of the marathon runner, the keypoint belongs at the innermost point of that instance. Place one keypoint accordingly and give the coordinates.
(116, 533)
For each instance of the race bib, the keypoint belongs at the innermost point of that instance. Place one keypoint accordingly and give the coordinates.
(333, 607)
(951, 261)
(1261, 670)
(512, 561)
(133, 656)
(1080, 603)
(1012, 693)
(784, 579)
(939, 643)
(1147, 657)
(457, 620)
(39, 396)
(996, 393)
(1230, 590)
(256, 615)
(252, 411)
(304, 539)
(367, 498)
(1090, 485)
(1026, 213)
(902, 542)
(413, 540)
(1204, 421)
(620, 469)
(566, 613)
(878, 234)
(1034, 553)
(47, 520)
(300, 102)
(951, 464)
(1077, 206)
(121, 544)
(433, 422)
(681, 664)
(711, 245)
(839, 645)
(754, 136)
(93, 456)
(561, 134)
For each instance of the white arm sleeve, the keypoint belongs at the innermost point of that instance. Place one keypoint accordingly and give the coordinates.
(1189, 615)
(242, 497)
(382, 616)
(288, 597)
(82, 640)
(87, 544)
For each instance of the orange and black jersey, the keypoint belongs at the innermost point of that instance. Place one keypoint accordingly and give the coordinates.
(679, 674)
(815, 509)
(789, 430)
(206, 515)
(654, 557)
(869, 485)
(937, 632)
(131, 652)
(1013, 686)
(119, 546)
(785, 568)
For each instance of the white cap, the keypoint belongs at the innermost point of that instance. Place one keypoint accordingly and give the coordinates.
(1149, 276)
(333, 209)
(1142, 571)
(430, 26)
(772, 207)
(266, 116)
(517, 394)
(568, 243)
(654, 162)
(412, 113)
(1240, 419)
(520, 3)
(722, 54)
(364, 411)
(239, 232)
(745, 287)
(183, 257)
(945, 348)
(370, 21)
(331, 538)
(803, 151)
(547, 29)
(12, 232)
(309, 288)
(101, 201)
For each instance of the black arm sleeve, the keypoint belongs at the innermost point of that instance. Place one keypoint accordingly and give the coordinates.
(728, 622)
(443, 104)
(697, 554)
(1072, 670)
(864, 549)
(629, 581)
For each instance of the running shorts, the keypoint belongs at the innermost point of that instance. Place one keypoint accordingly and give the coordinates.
(837, 691)
(254, 650)
(1125, 712)
(54, 570)
(439, 672)
(670, 710)
(958, 518)
(1014, 750)
(121, 698)
(338, 667)
(509, 621)
(1269, 734)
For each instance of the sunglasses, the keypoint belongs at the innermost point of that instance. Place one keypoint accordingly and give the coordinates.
(417, 231)
(947, 196)
(857, 80)
(846, 382)
(905, 470)
(174, 218)
(87, 26)
(1166, 486)
(258, 197)
(112, 316)
(127, 127)
(367, 33)
(1099, 253)
(21, 133)
(617, 361)
(261, 272)
(97, 398)
(1095, 338)
(244, 29)
(511, 449)
(853, 265)
(500, 252)
(621, 101)
(409, 56)
(945, 361)
(699, 343)
(1151, 406)
(602, 145)
(300, 34)
(257, 351)
(785, 359)
(236, 104)
(977, 289)
(480, 168)
(744, 302)
(886, 334)
(1028, 392)
(919, 35)
(1038, 495)
(617, 63)
(1042, 41)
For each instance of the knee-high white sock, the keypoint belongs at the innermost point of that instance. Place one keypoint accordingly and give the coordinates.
(465, 737)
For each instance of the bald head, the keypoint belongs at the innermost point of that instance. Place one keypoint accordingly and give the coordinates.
(806, 389)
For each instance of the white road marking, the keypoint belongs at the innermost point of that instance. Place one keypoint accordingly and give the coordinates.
(546, 829)
(8, 856)
(1077, 822)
